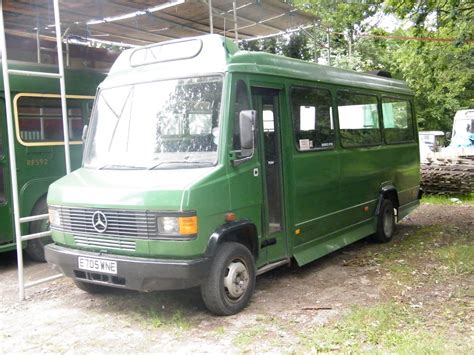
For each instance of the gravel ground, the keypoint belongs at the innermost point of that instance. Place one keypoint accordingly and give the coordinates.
(58, 317)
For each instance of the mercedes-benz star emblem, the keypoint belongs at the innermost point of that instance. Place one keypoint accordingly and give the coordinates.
(99, 222)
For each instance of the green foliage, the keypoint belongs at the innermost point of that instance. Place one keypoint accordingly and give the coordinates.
(294, 45)
(341, 15)
(438, 72)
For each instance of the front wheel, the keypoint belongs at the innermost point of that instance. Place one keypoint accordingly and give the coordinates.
(385, 223)
(231, 280)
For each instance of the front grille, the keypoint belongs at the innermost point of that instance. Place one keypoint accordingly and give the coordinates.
(106, 243)
(123, 227)
(128, 224)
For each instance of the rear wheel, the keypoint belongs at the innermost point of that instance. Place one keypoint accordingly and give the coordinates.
(231, 280)
(385, 222)
(35, 247)
(90, 288)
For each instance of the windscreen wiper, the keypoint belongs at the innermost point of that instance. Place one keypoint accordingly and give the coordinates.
(184, 162)
(121, 167)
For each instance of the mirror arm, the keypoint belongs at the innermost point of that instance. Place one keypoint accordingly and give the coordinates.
(85, 129)
(238, 161)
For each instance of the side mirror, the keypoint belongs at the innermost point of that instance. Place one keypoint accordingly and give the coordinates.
(247, 127)
(84, 133)
(448, 135)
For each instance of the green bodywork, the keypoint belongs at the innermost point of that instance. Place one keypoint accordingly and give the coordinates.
(329, 197)
(37, 166)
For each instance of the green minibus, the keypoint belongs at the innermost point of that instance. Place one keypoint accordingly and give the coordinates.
(39, 146)
(205, 166)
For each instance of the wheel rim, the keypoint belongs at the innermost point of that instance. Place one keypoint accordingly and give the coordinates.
(236, 280)
(388, 222)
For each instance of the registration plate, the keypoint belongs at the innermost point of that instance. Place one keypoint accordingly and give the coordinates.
(100, 265)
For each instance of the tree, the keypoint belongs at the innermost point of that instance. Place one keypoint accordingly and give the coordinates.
(439, 71)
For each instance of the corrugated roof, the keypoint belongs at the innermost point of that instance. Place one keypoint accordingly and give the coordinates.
(168, 19)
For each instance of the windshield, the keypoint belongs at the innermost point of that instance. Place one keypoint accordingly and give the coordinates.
(158, 125)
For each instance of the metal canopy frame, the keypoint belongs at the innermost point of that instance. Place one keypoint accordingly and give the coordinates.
(135, 22)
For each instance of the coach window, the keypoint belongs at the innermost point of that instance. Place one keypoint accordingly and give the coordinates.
(397, 120)
(358, 119)
(40, 119)
(312, 118)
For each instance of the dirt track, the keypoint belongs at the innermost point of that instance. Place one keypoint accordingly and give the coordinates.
(57, 317)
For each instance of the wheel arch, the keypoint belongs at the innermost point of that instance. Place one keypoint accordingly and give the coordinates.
(387, 192)
(243, 232)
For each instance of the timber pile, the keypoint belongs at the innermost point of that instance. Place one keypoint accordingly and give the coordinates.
(447, 176)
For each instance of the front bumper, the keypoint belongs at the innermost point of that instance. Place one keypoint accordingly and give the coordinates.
(133, 273)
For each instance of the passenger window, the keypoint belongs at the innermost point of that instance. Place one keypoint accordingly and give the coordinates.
(268, 120)
(2, 187)
(242, 102)
(358, 119)
(397, 120)
(40, 119)
(312, 117)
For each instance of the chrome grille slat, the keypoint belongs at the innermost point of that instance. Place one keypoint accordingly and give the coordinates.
(94, 242)
(123, 227)
(102, 241)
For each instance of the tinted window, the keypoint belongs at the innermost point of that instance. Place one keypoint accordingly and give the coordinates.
(358, 119)
(40, 118)
(242, 102)
(312, 117)
(397, 120)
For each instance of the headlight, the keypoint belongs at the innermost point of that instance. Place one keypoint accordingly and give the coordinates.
(54, 217)
(185, 226)
(168, 225)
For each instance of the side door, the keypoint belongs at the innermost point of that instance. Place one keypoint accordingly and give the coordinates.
(6, 224)
(266, 102)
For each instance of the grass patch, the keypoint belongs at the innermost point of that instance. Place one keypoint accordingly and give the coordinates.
(397, 252)
(249, 336)
(177, 321)
(448, 199)
(457, 258)
(385, 328)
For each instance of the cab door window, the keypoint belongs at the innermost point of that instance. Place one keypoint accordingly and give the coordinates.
(242, 102)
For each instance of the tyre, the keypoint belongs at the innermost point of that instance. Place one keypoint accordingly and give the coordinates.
(231, 281)
(385, 223)
(90, 288)
(35, 247)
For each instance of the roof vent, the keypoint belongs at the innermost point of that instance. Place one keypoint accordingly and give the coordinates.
(384, 73)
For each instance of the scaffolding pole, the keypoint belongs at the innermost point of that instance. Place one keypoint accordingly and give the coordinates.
(11, 149)
(211, 18)
(62, 84)
(19, 238)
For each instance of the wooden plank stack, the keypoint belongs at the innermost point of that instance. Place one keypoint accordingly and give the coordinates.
(447, 176)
